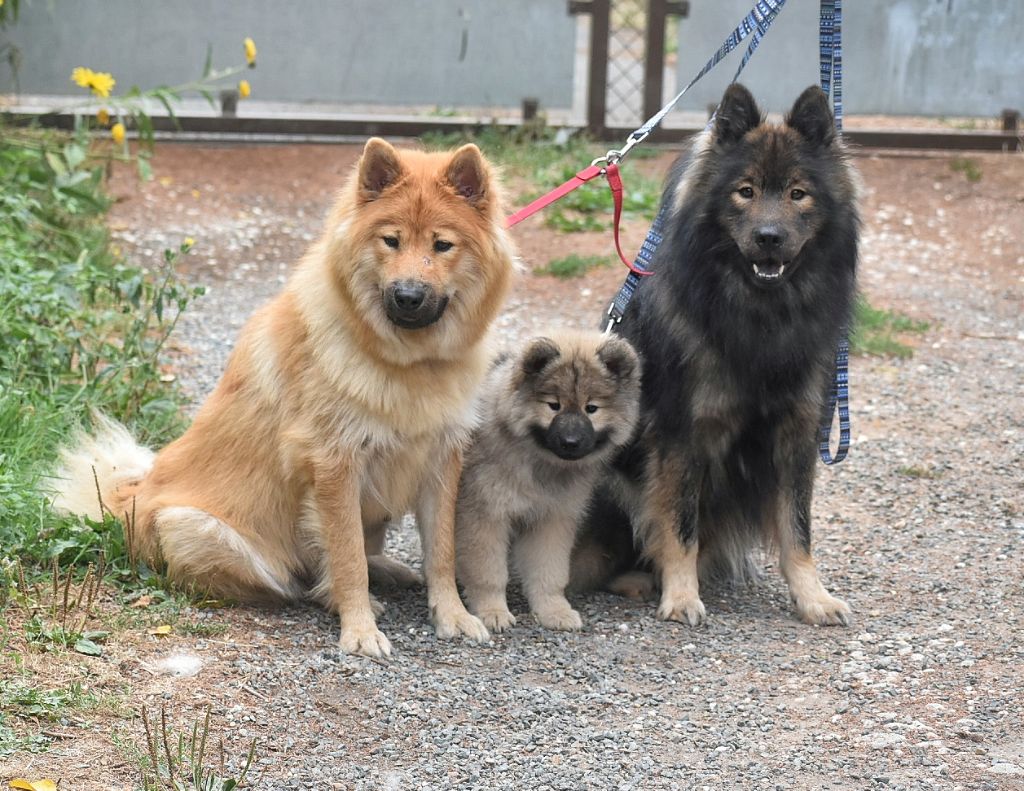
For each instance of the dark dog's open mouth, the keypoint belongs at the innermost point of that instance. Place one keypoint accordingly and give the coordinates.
(769, 271)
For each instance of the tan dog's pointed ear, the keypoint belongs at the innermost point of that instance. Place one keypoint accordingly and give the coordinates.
(467, 174)
(379, 168)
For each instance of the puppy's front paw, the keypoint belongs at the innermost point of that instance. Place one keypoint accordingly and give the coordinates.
(633, 585)
(497, 619)
(365, 640)
(559, 616)
(452, 623)
(685, 609)
(376, 607)
(823, 610)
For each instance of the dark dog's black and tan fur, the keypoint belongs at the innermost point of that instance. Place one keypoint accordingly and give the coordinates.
(738, 329)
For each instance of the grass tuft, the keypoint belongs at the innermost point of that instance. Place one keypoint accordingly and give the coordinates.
(880, 333)
(574, 265)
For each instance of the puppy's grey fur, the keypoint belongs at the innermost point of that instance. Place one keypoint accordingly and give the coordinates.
(554, 415)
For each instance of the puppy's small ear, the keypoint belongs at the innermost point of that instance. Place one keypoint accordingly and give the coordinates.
(379, 168)
(619, 358)
(812, 118)
(467, 175)
(538, 354)
(736, 115)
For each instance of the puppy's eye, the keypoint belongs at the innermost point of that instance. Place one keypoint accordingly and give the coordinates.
(746, 192)
(391, 241)
(591, 408)
(441, 246)
(797, 194)
(555, 406)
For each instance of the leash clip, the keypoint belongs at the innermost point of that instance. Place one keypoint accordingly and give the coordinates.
(614, 316)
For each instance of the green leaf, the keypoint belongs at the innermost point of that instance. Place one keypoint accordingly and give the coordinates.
(208, 65)
(56, 163)
(145, 170)
(74, 155)
(88, 647)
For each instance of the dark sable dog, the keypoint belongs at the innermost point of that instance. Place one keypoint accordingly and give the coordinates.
(738, 330)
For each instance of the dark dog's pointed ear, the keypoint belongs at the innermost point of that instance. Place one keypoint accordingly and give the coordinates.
(379, 168)
(812, 118)
(467, 174)
(538, 354)
(619, 358)
(736, 115)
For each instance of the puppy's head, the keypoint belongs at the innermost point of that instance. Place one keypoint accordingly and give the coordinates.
(577, 394)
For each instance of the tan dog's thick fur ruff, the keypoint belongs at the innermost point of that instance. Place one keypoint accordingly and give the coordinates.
(346, 403)
(555, 414)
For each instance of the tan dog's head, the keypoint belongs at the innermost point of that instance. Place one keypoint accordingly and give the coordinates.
(420, 245)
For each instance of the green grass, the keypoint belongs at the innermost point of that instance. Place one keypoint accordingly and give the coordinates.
(880, 333)
(969, 167)
(574, 265)
(23, 707)
(80, 328)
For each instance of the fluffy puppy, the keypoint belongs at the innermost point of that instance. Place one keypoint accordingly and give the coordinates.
(555, 414)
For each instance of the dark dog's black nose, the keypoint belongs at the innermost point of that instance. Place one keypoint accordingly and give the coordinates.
(409, 296)
(769, 238)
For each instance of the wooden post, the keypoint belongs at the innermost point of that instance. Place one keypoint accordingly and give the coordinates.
(597, 79)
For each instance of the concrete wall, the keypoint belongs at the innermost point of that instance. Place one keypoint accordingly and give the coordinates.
(900, 57)
(422, 52)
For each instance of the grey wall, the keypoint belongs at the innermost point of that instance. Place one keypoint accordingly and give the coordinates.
(900, 57)
(423, 52)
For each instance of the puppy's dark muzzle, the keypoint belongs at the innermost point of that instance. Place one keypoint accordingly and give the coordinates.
(570, 436)
(412, 304)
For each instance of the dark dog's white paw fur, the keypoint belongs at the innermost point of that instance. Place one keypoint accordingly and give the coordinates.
(823, 610)
(685, 609)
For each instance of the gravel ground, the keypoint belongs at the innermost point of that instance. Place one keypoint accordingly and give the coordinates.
(920, 530)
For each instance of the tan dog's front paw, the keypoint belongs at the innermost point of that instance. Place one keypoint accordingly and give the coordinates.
(823, 610)
(453, 623)
(685, 609)
(497, 619)
(559, 616)
(364, 640)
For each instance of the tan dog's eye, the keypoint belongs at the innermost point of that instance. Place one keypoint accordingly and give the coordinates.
(391, 241)
(746, 192)
(441, 246)
(591, 408)
(555, 406)
(797, 194)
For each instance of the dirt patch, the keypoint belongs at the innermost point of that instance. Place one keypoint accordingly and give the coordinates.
(921, 530)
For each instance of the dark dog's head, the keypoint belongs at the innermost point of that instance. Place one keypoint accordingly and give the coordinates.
(773, 177)
(577, 394)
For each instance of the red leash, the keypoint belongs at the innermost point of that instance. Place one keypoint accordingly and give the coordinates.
(611, 172)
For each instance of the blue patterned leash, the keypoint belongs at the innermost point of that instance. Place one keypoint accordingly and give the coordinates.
(753, 26)
(831, 62)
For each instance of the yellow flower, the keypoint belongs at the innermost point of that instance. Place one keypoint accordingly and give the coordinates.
(102, 116)
(244, 89)
(117, 132)
(100, 82)
(250, 51)
(188, 244)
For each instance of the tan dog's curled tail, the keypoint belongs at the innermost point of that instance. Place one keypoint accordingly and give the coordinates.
(98, 472)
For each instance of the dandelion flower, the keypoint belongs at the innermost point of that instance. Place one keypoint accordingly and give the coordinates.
(244, 89)
(102, 116)
(188, 244)
(117, 132)
(250, 51)
(99, 82)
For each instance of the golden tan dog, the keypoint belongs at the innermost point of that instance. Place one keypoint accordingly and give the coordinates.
(346, 404)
